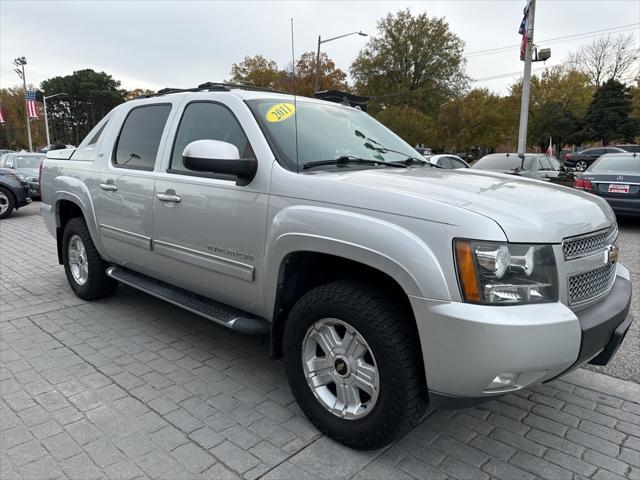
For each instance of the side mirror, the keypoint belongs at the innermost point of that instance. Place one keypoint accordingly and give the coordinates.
(215, 156)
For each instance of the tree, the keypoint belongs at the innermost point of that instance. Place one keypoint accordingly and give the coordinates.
(13, 133)
(606, 58)
(138, 92)
(414, 60)
(331, 78)
(479, 119)
(90, 96)
(608, 117)
(553, 120)
(257, 71)
(410, 124)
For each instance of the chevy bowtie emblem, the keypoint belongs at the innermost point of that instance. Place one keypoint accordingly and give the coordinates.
(611, 254)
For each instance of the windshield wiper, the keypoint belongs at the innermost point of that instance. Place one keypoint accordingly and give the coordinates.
(346, 159)
(412, 161)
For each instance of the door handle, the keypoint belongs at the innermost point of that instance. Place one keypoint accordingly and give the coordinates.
(169, 196)
(109, 187)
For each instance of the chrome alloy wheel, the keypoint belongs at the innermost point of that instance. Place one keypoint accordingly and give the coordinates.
(581, 166)
(340, 368)
(4, 202)
(78, 260)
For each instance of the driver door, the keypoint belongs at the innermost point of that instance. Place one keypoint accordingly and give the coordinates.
(209, 232)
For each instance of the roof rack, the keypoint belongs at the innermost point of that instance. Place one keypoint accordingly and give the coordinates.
(211, 87)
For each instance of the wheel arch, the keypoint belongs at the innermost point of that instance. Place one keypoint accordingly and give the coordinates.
(69, 205)
(295, 279)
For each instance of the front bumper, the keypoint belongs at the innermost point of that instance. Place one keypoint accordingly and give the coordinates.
(466, 346)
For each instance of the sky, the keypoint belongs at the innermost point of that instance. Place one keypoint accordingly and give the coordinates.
(156, 44)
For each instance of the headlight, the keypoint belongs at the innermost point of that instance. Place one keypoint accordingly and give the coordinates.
(506, 274)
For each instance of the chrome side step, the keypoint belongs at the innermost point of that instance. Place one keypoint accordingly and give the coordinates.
(225, 315)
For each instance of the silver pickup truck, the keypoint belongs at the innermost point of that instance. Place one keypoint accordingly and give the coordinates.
(385, 283)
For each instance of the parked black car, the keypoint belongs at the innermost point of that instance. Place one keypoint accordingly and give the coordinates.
(26, 167)
(534, 165)
(582, 159)
(616, 178)
(630, 147)
(13, 194)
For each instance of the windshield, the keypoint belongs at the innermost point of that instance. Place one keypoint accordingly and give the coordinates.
(31, 161)
(326, 132)
(629, 164)
(499, 162)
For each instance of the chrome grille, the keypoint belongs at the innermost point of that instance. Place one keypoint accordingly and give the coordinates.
(590, 285)
(587, 244)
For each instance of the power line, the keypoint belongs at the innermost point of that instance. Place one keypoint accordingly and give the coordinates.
(619, 29)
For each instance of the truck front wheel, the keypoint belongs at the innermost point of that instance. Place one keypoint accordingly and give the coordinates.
(83, 265)
(352, 360)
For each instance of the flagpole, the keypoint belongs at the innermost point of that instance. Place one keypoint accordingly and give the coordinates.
(20, 63)
(526, 81)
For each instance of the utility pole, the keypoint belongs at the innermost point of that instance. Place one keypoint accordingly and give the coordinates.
(320, 42)
(20, 62)
(317, 65)
(526, 81)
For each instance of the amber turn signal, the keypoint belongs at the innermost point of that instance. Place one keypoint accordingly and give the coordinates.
(467, 273)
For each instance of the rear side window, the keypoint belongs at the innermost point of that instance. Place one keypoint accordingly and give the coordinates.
(544, 163)
(208, 121)
(445, 162)
(457, 163)
(140, 137)
(96, 137)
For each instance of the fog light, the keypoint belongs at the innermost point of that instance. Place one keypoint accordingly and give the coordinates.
(504, 381)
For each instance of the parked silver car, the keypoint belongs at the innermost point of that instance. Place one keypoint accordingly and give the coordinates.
(386, 284)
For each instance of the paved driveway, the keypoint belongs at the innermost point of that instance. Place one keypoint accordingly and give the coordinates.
(131, 387)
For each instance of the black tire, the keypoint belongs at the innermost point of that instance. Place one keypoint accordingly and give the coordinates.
(394, 344)
(98, 284)
(11, 203)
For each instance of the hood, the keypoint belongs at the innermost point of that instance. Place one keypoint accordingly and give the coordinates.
(527, 210)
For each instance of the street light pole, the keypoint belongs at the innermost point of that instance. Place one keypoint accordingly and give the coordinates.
(318, 65)
(526, 81)
(46, 119)
(20, 62)
(320, 42)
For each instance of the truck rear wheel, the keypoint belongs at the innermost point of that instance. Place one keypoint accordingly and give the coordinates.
(83, 265)
(352, 360)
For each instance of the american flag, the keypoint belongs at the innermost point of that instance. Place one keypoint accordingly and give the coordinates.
(32, 110)
(523, 31)
(1, 114)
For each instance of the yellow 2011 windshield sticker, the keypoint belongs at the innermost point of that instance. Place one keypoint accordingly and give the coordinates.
(280, 112)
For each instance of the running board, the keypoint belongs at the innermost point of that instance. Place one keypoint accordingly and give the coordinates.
(220, 313)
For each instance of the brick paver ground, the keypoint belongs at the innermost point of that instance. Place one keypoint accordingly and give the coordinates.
(131, 387)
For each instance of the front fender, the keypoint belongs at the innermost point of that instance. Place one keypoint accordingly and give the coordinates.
(76, 191)
(371, 241)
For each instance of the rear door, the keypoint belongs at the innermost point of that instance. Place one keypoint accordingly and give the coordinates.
(124, 204)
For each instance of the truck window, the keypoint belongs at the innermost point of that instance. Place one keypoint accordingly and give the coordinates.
(137, 145)
(208, 121)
